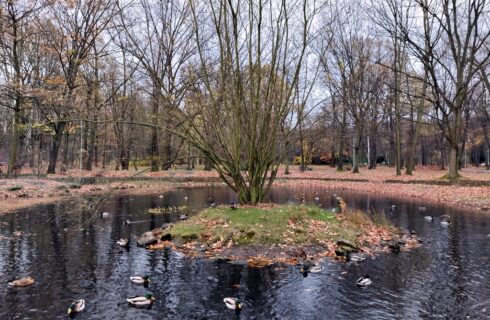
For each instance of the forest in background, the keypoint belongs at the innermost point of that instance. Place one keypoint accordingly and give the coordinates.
(243, 85)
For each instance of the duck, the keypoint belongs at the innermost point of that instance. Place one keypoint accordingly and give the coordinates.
(123, 242)
(104, 214)
(183, 217)
(428, 218)
(233, 303)
(23, 282)
(141, 301)
(355, 257)
(140, 279)
(76, 307)
(316, 269)
(364, 281)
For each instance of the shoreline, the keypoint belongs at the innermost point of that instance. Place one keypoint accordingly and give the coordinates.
(47, 190)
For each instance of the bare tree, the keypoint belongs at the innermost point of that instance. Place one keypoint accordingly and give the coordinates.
(76, 27)
(161, 41)
(251, 55)
(450, 44)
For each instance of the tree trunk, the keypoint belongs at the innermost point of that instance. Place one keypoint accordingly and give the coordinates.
(91, 145)
(355, 150)
(55, 147)
(487, 144)
(372, 154)
(415, 137)
(154, 161)
(453, 163)
(14, 143)
(167, 158)
(286, 170)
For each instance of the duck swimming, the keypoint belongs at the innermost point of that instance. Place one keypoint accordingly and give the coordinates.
(355, 257)
(76, 307)
(24, 282)
(123, 242)
(233, 303)
(141, 301)
(364, 281)
(140, 279)
(104, 214)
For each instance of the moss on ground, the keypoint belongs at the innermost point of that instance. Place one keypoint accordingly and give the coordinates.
(268, 225)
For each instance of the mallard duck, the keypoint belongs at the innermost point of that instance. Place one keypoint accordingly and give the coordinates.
(123, 242)
(233, 303)
(355, 257)
(428, 218)
(24, 282)
(141, 301)
(316, 269)
(76, 307)
(364, 281)
(445, 220)
(104, 214)
(140, 279)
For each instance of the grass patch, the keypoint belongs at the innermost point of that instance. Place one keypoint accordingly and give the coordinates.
(268, 225)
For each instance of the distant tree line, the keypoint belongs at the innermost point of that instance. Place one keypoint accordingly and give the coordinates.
(243, 86)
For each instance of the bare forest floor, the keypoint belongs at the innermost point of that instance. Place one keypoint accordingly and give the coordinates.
(472, 193)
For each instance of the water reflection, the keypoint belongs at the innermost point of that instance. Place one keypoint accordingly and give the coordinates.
(73, 255)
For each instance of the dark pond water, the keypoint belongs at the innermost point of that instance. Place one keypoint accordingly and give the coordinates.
(72, 255)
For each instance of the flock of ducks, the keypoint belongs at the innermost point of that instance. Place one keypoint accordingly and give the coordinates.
(148, 299)
(142, 301)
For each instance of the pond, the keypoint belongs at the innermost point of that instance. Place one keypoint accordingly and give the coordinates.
(73, 255)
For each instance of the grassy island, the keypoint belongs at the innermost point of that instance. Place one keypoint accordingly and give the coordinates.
(281, 232)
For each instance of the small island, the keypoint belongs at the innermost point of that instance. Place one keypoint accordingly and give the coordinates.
(270, 233)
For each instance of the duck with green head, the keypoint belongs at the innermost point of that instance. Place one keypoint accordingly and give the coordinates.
(140, 279)
(233, 304)
(141, 301)
(76, 307)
